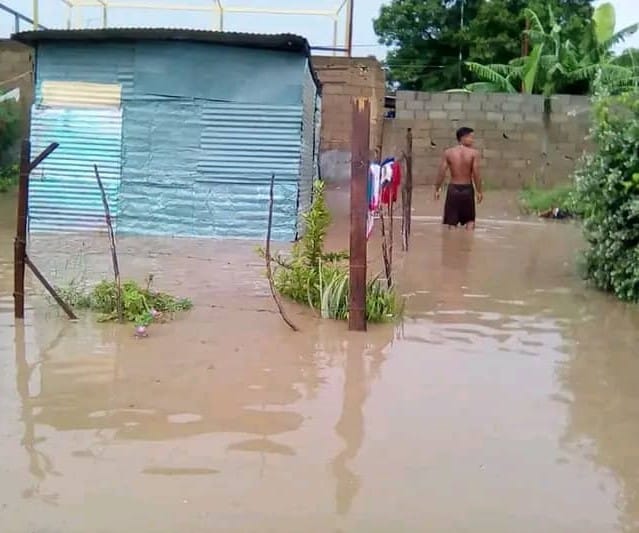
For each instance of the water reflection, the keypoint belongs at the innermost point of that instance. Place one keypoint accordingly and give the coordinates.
(600, 385)
(507, 402)
(40, 464)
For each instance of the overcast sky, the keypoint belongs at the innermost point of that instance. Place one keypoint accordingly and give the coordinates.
(317, 30)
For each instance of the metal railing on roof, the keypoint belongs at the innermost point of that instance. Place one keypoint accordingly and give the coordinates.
(216, 8)
(18, 18)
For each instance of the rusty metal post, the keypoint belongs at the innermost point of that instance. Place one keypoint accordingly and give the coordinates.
(20, 242)
(407, 191)
(349, 27)
(359, 208)
(20, 258)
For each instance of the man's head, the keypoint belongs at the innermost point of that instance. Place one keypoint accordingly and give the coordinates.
(466, 136)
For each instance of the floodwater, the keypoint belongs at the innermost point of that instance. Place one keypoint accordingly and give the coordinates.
(506, 401)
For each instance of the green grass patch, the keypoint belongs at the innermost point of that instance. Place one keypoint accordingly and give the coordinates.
(141, 304)
(320, 279)
(536, 200)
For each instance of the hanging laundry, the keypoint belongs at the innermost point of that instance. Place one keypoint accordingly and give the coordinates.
(389, 193)
(386, 172)
(373, 189)
(374, 177)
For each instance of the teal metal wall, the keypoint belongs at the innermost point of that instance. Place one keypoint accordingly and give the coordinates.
(63, 195)
(203, 127)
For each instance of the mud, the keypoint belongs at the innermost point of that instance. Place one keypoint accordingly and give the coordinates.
(506, 400)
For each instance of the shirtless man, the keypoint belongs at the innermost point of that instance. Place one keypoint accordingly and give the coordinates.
(465, 182)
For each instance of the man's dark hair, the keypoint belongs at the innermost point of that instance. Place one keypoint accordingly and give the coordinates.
(462, 132)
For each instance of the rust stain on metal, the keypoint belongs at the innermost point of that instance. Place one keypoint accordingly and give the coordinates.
(358, 204)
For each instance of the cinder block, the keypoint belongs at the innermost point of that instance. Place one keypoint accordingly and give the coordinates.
(517, 99)
(437, 115)
(457, 116)
(498, 98)
(471, 105)
(406, 96)
(478, 97)
(531, 136)
(513, 120)
(475, 115)
(424, 96)
(442, 134)
(533, 118)
(405, 114)
(462, 98)
(434, 106)
(495, 116)
(453, 106)
(491, 154)
(440, 98)
(490, 106)
(415, 105)
(511, 107)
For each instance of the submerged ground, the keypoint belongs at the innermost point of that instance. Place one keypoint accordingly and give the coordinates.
(507, 400)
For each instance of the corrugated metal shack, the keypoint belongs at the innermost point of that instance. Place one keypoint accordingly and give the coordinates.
(185, 126)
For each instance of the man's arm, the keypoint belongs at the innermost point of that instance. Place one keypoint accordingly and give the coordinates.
(477, 178)
(441, 174)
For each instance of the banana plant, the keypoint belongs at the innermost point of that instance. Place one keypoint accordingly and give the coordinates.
(555, 64)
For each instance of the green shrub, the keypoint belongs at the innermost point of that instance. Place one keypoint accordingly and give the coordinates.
(141, 305)
(8, 178)
(607, 190)
(536, 200)
(319, 279)
(9, 125)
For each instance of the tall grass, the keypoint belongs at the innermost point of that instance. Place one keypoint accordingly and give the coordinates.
(537, 200)
(320, 279)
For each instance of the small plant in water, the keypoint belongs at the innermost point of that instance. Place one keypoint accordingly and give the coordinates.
(320, 279)
(141, 305)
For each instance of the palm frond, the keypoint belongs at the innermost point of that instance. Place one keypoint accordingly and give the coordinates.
(531, 68)
(490, 75)
(483, 87)
(619, 37)
(603, 20)
(535, 22)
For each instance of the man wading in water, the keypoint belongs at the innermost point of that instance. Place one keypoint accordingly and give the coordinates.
(463, 162)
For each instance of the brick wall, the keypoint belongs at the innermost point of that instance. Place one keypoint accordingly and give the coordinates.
(15, 71)
(343, 79)
(517, 145)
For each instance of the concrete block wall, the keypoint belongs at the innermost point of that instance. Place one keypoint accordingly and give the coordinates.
(518, 146)
(16, 72)
(344, 79)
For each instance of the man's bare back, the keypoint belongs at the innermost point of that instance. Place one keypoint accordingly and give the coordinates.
(460, 161)
(465, 181)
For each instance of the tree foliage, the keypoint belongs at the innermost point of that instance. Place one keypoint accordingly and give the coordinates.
(9, 125)
(427, 37)
(558, 65)
(607, 189)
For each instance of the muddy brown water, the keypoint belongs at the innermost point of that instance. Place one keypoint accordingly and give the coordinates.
(506, 400)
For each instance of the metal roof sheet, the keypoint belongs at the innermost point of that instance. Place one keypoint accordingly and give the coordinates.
(283, 42)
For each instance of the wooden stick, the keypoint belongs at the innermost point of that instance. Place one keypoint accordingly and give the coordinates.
(390, 238)
(65, 306)
(20, 243)
(387, 262)
(267, 256)
(114, 253)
